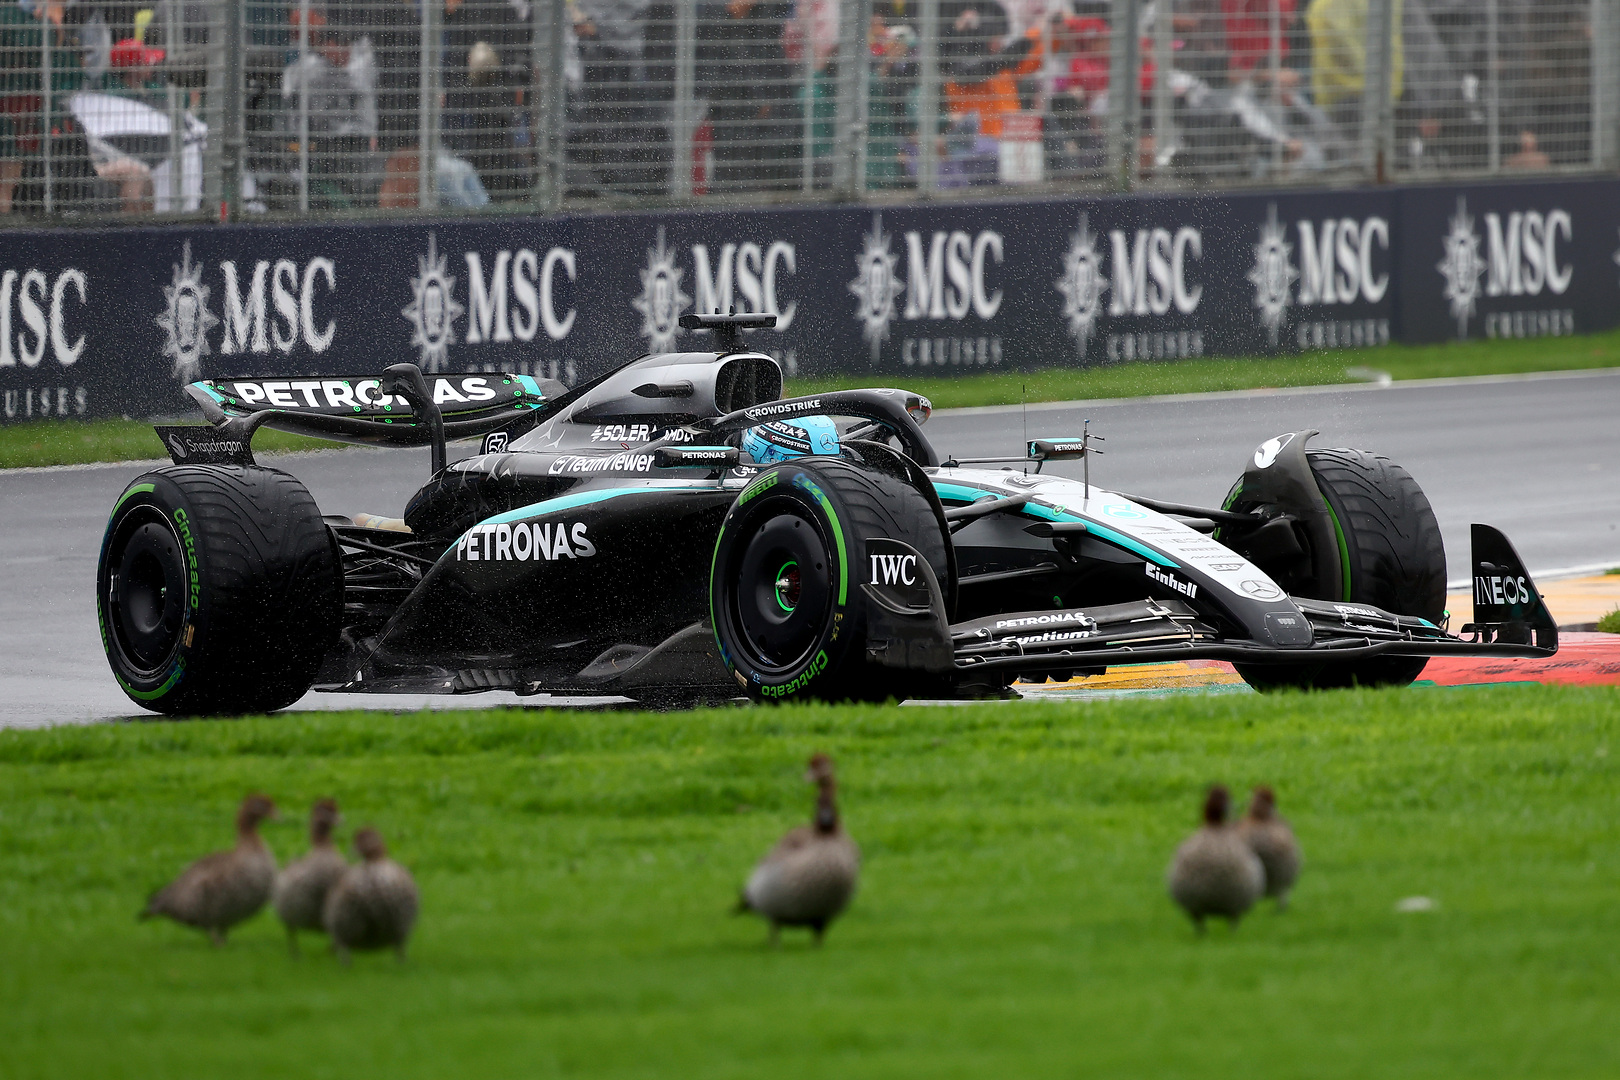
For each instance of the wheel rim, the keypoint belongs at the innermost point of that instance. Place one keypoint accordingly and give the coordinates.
(783, 598)
(147, 594)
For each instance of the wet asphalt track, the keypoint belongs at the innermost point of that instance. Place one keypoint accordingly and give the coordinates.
(1537, 456)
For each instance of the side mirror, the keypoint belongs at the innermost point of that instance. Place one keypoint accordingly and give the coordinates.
(1062, 448)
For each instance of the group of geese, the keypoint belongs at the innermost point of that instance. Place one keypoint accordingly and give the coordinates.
(1223, 869)
(366, 905)
(806, 880)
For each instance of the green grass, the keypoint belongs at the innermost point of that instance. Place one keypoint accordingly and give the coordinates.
(1498, 357)
(576, 870)
(79, 442)
(1610, 623)
(58, 442)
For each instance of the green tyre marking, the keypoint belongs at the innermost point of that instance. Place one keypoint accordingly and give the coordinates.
(138, 489)
(149, 695)
(1344, 548)
(838, 534)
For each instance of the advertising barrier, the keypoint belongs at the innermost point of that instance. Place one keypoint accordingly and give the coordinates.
(111, 322)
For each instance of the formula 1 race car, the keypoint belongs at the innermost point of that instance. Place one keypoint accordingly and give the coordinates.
(675, 531)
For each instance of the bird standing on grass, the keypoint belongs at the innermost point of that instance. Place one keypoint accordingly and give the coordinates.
(1214, 872)
(807, 879)
(373, 905)
(299, 896)
(1270, 838)
(220, 890)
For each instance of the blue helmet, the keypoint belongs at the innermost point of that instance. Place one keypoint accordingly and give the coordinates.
(781, 440)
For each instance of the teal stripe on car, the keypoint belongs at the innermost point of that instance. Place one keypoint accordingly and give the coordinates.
(584, 498)
(1102, 532)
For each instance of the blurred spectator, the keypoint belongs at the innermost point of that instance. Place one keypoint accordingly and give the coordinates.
(982, 62)
(1248, 26)
(338, 74)
(1441, 118)
(133, 76)
(1074, 137)
(392, 35)
(892, 107)
(743, 70)
(189, 25)
(1529, 155)
(619, 137)
(485, 66)
(1339, 57)
(23, 29)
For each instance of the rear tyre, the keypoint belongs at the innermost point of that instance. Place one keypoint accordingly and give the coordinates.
(219, 590)
(785, 589)
(1391, 554)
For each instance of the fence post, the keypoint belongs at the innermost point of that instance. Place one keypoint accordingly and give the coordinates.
(850, 138)
(1493, 85)
(234, 142)
(303, 106)
(1605, 85)
(46, 77)
(427, 118)
(685, 123)
(807, 122)
(1377, 112)
(546, 45)
(171, 37)
(927, 96)
(1124, 100)
(1164, 116)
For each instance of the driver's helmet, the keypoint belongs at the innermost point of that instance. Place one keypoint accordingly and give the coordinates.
(782, 440)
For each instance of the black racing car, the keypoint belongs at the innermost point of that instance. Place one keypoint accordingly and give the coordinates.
(675, 531)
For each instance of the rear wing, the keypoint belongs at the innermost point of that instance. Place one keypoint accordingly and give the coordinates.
(402, 407)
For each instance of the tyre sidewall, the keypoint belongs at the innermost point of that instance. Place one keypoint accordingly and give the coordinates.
(824, 668)
(154, 497)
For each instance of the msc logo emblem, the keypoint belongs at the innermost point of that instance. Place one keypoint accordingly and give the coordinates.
(661, 301)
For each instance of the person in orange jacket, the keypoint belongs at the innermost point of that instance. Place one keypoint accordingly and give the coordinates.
(982, 70)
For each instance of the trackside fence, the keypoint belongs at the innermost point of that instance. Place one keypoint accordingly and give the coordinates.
(291, 109)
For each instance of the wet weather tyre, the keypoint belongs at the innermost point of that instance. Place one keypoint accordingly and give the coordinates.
(219, 590)
(1391, 555)
(785, 593)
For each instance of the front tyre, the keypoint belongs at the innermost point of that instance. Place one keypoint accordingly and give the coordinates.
(1391, 556)
(785, 591)
(218, 590)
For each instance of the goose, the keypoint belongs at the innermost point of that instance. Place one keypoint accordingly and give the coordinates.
(374, 903)
(1214, 872)
(1269, 837)
(807, 879)
(220, 890)
(299, 896)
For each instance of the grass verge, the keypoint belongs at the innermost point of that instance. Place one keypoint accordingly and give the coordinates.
(57, 442)
(576, 870)
(1493, 357)
(80, 442)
